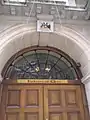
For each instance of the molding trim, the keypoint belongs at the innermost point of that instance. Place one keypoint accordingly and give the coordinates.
(86, 79)
(1, 78)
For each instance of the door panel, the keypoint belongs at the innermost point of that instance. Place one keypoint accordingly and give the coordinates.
(56, 116)
(13, 98)
(12, 116)
(24, 102)
(74, 116)
(34, 100)
(63, 103)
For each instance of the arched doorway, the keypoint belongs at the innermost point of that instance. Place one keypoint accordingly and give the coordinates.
(18, 37)
(38, 99)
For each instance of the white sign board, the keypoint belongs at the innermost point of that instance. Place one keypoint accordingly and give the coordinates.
(45, 26)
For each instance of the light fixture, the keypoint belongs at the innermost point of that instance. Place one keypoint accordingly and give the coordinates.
(47, 69)
(37, 69)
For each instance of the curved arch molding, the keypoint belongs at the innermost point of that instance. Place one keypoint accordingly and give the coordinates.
(66, 39)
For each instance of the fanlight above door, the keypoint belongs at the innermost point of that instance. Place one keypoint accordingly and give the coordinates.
(42, 63)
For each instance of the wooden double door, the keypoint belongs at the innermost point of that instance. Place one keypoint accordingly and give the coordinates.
(42, 102)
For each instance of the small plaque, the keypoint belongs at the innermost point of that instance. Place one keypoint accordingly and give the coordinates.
(40, 81)
(45, 26)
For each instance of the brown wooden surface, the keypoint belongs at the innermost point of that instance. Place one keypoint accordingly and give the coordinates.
(3, 103)
(1, 87)
(24, 103)
(63, 103)
(42, 81)
(42, 102)
(85, 103)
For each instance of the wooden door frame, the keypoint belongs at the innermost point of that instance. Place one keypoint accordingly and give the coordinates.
(1, 86)
(42, 81)
(85, 102)
(3, 96)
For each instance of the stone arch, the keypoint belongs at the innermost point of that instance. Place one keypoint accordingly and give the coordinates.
(21, 36)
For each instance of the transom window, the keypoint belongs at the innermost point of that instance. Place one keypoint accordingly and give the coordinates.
(41, 64)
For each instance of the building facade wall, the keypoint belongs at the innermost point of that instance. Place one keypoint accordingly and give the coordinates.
(72, 37)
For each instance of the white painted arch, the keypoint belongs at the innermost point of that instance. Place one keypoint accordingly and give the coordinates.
(20, 36)
(69, 41)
